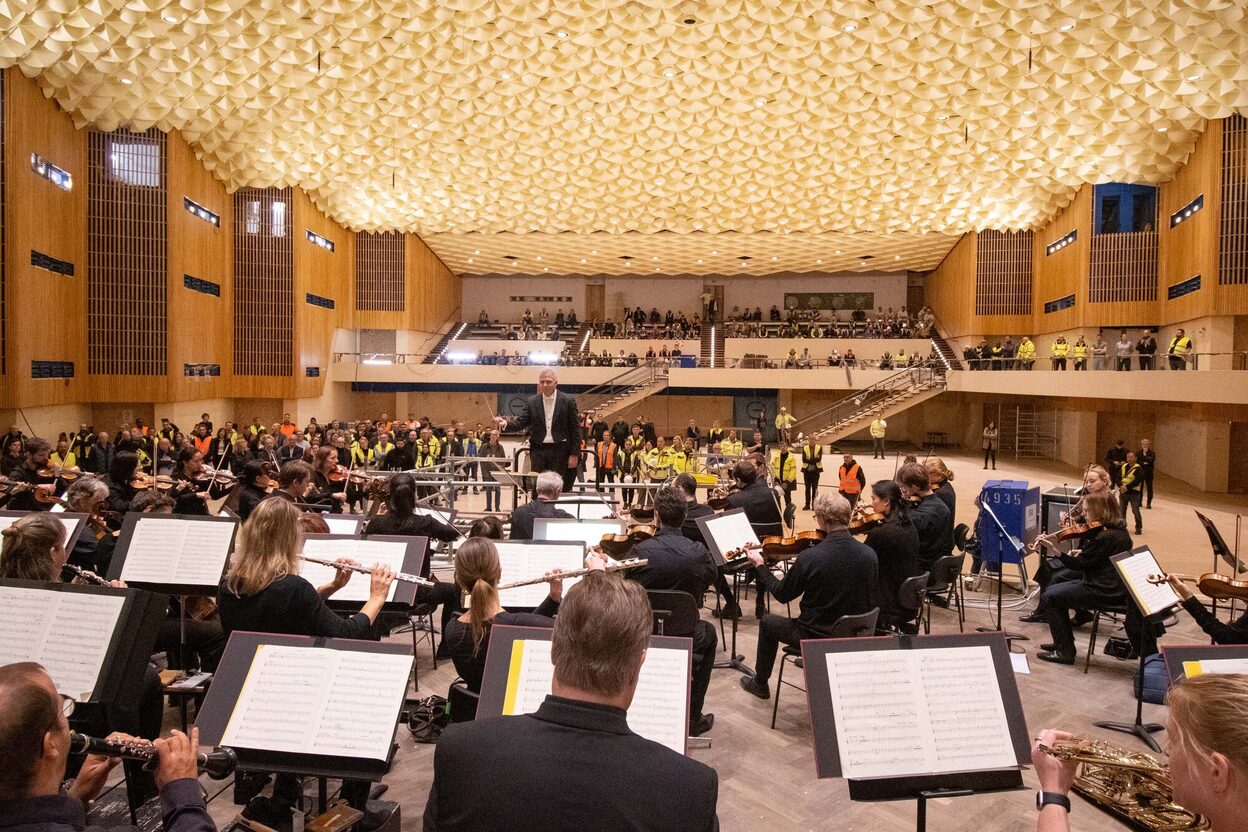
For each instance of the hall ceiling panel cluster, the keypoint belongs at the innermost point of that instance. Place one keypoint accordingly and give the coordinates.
(777, 117)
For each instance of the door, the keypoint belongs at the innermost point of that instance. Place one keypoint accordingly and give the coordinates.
(595, 302)
(713, 303)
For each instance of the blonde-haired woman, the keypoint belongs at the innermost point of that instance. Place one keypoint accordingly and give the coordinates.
(467, 637)
(33, 549)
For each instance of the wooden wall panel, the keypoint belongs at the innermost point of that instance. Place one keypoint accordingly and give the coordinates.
(1122, 280)
(1233, 204)
(200, 324)
(1064, 272)
(434, 290)
(950, 289)
(264, 283)
(381, 285)
(46, 312)
(329, 275)
(1191, 248)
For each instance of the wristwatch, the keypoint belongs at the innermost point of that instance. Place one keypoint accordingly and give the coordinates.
(1052, 798)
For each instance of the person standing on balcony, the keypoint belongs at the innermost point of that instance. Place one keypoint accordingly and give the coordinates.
(1146, 347)
(1123, 350)
(1026, 354)
(1080, 352)
(1180, 349)
(1100, 353)
(1058, 352)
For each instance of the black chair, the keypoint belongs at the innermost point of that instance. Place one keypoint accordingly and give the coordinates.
(1114, 612)
(961, 534)
(675, 612)
(945, 582)
(847, 626)
(462, 701)
(910, 596)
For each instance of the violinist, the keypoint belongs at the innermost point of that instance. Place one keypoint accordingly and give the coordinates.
(327, 481)
(294, 483)
(34, 459)
(189, 478)
(835, 577)
(677, 563)
(930, 515)
(896, 546)
(254, 486)
(402, 519)
(120, 476)
(1235, 632)
(91, 551)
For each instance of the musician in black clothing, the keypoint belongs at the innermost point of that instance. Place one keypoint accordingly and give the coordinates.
(1089, 581)
(467, 636)
(896, 546)
(756, 498)
(326, 494)
(675, 562)
(186, 491)
(263, 592)
(91, 552)
(549, 487)
(835, 577)
(574, 764)
(930, 515)
(253, 487)
(550, 417)
(1235, 632)
(37, 454)
(693, 509)
(120, 473)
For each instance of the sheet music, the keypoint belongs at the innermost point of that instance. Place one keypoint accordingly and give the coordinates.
(589, 532)
(364, 552)
(730, 531)
(1199, 668)
(659, 710)
(66, 632)
(169, 550)
(70, 523)
(1135, 571)
(520, 561)
(310, 700)
(343, 525)
(911, 712)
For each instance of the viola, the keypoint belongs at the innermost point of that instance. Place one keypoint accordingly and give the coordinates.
(778, 547)
(67, 474)
(616, 545)
(162, 482)
(1211, 584)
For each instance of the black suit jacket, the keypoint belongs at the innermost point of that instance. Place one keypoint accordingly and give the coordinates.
(674, 562)
(570, 766)
(694, 510)
(565, 427)
(522, 518)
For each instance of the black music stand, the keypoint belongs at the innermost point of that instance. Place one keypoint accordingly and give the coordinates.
(1176, 657)
(919, 786)
(1006, 539)
(735, 660)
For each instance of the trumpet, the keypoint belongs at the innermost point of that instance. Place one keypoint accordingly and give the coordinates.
(631, 563)
(217, 764)
(1135, 788)
(364, 570)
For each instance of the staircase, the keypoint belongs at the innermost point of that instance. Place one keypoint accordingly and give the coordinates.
(712, 354)
(894, 394)
(439, 349)
(626, 389)
(947, 356)
(579, 343)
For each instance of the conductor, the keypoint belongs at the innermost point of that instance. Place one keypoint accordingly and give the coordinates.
(554, 430)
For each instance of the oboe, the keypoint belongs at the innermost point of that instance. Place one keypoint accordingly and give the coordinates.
(364, 570)
(217, 764)
(631, 563)
(86, 575)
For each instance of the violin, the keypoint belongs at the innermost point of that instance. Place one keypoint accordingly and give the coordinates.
(778, 547)
(1075, 532)
(718, 499)
(865, 520)
(616, 545)
(1211, 584)
(67, 474)
(104, 522)
(344, 474)
(162, 482)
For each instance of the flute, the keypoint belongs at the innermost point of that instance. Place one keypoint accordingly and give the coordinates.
(364, 570)
(217, 764)
(631, 563)
(87, 575)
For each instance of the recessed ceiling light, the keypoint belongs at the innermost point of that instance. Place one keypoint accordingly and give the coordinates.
(697, 225)
(595, 251)
(783, 221)
(773, 257)
(713, 251)
(760, 101)
(699, 261)
(1195, 76)
(669, 73)
(849, 27)
(1065, 27)
(589, 116)
(561, 34)
(838, 251)
(469, 259)
(169, 18)
(476, 251)
(127, 81)
(539, 257)
(1162, 129)
(656, 268)
(818, 261)
(582, 259)
(1029, 112)
(654, 258)
(896, 256)
(505, 75)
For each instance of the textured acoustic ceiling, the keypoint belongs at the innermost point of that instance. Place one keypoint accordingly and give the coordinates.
(775, 116)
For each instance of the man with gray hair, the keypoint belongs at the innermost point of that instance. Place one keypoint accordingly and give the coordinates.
(835, 577)
(554, 429)
(549, 487)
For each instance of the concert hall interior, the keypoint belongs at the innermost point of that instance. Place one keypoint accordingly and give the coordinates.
(803, 334)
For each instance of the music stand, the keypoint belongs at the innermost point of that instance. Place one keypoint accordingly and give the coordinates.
(1221, 550)
(851, 728)
(1006, 540)
(589, 532)
(510, 479)
(350, 524)
(523, 559)
(1186, 661)
(71, 520)
(1155, 602)
(724, 532)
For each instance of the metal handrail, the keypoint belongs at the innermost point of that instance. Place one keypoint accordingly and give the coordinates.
(595, 397)
(908, 379)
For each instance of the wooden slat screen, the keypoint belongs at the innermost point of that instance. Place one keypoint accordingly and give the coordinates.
(127, 253)
(1124, 267)
(380, 281)
(4, 246)
(1233, 270)
(264, 282)
(1003, 273)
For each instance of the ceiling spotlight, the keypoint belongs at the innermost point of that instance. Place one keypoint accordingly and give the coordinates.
(1029, 112)
(539, 257)
(774, 257)
(818, 261)
(582, 259)
(849, 27)
(654, 258)
(1162, 129)
(127, 81)
(713, 251)
(896, 256)
(169, 18)
(1065, 27)
(505, 75)
(476, 251)
(697, 225)
(699, 261)
(595, 251)
(758, 102)
(942, 117)
(561, 34)
(469, 259)
(1195, 76)
(838, 251)
(545, 268)
(656, 268)
(669, 73)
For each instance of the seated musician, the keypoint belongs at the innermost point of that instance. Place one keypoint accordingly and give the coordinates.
(326, 494)
(120, 474)
(1095, 481)
(549, 487)
(190, 496)
(294, 483)
(253, 486)
(263, 592)
(1087, 581)
(896, 546)
(761, 509)
(489, 527)
(1235, 632)
(574, 764)
(35, 458)
(94, 548)
(677, 563)
(467, 637)
(835, 577)
(930, 514)
(34, 736)
(1207, 756)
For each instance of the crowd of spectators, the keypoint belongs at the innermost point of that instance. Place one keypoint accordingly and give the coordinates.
(814, 323)
(637, 323)
(1123, 355)
(805, 361)
(568, 358)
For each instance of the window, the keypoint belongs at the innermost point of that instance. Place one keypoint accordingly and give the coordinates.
(1122, 208)
(1185, 213)
(252, 223)
(279, 219)
(135, 163)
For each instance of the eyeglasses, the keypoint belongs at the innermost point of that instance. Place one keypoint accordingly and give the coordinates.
(67, 705)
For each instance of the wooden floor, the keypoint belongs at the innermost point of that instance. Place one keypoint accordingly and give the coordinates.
(767, 778)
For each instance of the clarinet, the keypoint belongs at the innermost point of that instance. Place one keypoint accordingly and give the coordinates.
(217, 764)
(87, 575)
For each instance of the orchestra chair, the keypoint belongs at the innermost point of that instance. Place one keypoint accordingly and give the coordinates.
(1116, 613)
(675, 612)
(945, 584)
(961, 534)
(911, 595)
(462, 701)
(847, 626)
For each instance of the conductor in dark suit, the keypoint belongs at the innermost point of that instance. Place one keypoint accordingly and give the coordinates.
(554, 429)
(574, 764)
(549, 487)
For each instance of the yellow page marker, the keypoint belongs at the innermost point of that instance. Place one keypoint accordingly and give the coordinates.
(513, 677)
(1191, 669)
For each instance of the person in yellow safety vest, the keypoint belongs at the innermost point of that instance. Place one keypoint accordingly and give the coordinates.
(852, 480)
(362, 456)
(784, 423)
(731, 447)
(1026, 353)
(427, 450)
(1058, 351)
(784, 473)
(812, 467)
(1080, 354)
(878, 428)
(657, 466)
(1180, 349)
(676, 456)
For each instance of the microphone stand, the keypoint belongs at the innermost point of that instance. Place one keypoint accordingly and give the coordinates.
(1004, 537)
